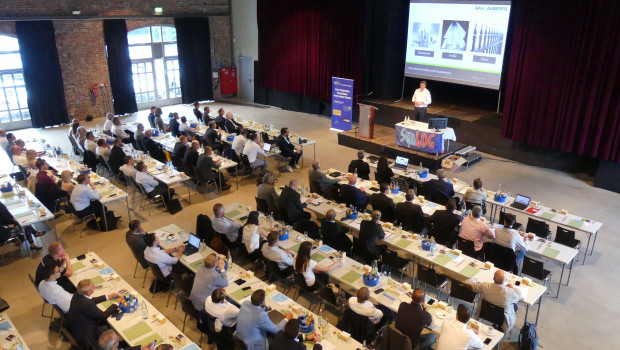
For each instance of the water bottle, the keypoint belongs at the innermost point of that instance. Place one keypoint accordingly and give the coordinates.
(229, 258)
(355, 172)
(145, 311)
(420, 168)
(321, 322)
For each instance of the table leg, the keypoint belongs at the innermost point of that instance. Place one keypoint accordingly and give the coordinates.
(570, 272)
(54, 224)
(128, 212)
(219, 174)
(527, 310)
(561, 277)
(237, 178)
(539, 307)
(314, 150)
(189, 192)
(105, 219)
(593, 243)
(587, 248)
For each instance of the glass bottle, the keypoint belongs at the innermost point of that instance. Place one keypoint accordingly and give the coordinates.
(145, 311)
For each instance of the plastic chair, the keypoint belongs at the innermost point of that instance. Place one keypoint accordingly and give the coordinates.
(460, 291)
(305, 291)
(391, 260)
(262, 206)
(200, 181)
(188, 309)
(246, 164)
(567, 238)
(468, 248)
(535, 269)
(493, 314)
(429, 276)
(159, 277)
(77, 220)
(328, 297)
(539, 228)
(153, 200)
(504, 258)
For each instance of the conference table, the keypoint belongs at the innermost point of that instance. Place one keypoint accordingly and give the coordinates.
(162, 172)
(131, 327)
(550, 215)
(9, 335)
(172, 235)
(107, 191)
(349, 276)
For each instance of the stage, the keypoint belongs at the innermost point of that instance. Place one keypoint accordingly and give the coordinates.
(384, 143)
(440, 109)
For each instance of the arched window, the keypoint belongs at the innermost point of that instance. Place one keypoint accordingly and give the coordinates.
(14, 112)
(155, 65)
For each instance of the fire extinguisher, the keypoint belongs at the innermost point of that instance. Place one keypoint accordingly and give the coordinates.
(95, 91)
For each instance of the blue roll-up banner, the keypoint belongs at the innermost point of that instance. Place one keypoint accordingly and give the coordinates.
(342, 104)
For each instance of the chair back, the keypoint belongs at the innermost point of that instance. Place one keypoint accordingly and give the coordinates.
(460, 291)
(204, 228)
(427, 275)
(539, 228)
(273, 270)
(360, 327)
(533, 268)
(181, 284)
(502, 215)
(300, 281)
(394, 339)
(565, 237)
(392, 259)
(140, 258)
(315, 187)
(493, 314)
(157, 272)
(262, 206)
(245, 161)
(188, 307)
(327, 294)
(503, 257)
(467, 247)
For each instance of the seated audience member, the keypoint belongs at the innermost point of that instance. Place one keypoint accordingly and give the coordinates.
(474, 229)
(239, 142)
(19, 157)
(152, 147)
(51, 292)
(267, 192)
(151, 186)
(252, 234)
(207, 280)
(360, 167)
(85, 199)
(190, 159)
(109, 340)
(213, 137)
(10, 138)
(90, 144)
(510, 238)
(185, 129)
(67, 185)
(444, 224)
(351, 195)
(410, 215)
(384, 172)
(3, 140)
(84, 317)
(196, 111)
(80, 138)
(335, 235)
(224, 312)
(501, 294)
(411, 320)
(103, 149)
(456, 334)
(108, 124)
(475, 195)
(362, 306)
(31, 158)
(291, 339)
(56, 257)
(159, 121)
(230, 125)
(320, 182)
(224, 225)
(290, 204)
(253, 323)
(206, 115)
(139, 136)
(307, 267)
(382, 202)
(205, 167)
(439, 190)
(135, 240)
(161, 257)
(180, 148)
(117, 156)
(151, 117)
(287, 149)
(253, 148)
(48, 189)
(10, 227)
(174, 125)
(119, 132)
(273, 252)
(128, 168)
(220, 118)
(370, 231)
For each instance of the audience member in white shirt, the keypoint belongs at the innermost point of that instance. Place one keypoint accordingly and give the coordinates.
(252, 149)
(3, 140)
(85, 199)
(224, 312)
(284, 257)
(155, 255)
(239, 142)
(119, 131)
(103, 149)
(51, 292)
(455, 335)
(90, 144)
(152, 187)
(19, 157)
(128, 168)
(310, 269)
(107, 125)
(224, 225)
(252, 234)
(362, 306)
(184, 128)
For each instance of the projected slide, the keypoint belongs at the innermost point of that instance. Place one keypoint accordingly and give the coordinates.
(458, 42)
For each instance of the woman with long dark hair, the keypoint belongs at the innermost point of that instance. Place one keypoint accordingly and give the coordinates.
(384, 173)
(252, 234)
(309, 268)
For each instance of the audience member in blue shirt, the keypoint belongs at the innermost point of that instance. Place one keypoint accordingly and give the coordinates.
(253, 323)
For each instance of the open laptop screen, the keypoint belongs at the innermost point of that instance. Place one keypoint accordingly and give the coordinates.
(522, 199)
(402, 161)
(266, 147)
(194, 241)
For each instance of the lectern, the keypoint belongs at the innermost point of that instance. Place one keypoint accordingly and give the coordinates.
(367, 120)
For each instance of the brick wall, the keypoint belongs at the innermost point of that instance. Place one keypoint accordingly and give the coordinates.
(80, 43)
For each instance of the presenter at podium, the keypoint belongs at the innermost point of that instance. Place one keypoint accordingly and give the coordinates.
(421, 99)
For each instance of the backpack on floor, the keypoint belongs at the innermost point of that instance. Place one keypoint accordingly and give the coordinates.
(528, 339)
(174, 206)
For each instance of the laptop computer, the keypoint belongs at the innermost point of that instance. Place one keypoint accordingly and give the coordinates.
(521, 202)
(266, 147)
(192, 245)
(401, 162)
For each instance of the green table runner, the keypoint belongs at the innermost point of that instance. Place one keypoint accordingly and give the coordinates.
(150, 338)
(77, 265)
(240, 294)
(575, 223)
(398, 199)
(469, 271)
(317, 257)
(403, 243)
(106, 304)
(233, 213)
(196, 264)
(548, 216)
(295, 248)
(442, 259)
(550, 252)
(97, 280)
(136, 331)
(351, 277)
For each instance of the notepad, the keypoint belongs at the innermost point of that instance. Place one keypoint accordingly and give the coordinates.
(191, 346)
(5, 326)
(106, 304)
(550, 252)
(22, 214)
(240, 294)
(106, 271)
(136, 331)
(9, 202)
(317, 257)
(442, 259)
(279, 298)
(403, 243)
(469, 271)
(351, 277)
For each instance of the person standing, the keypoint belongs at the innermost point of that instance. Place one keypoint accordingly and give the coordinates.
(421, 99)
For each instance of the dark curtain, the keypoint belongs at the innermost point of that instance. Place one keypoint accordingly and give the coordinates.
(302, 44)
(563, 90)
(42, 74)
(194, 46)
(119, 66)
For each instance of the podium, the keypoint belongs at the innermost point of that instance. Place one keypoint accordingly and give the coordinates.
(367, 120)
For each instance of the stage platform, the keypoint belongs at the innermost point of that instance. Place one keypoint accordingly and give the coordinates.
(384, 143)
(440, 109)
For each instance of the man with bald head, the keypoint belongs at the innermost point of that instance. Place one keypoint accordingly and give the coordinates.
(319, 182)
(501, 294)
(362, 306)
(411, 320)
(351, 195)
(290, 204)
(439, 190)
